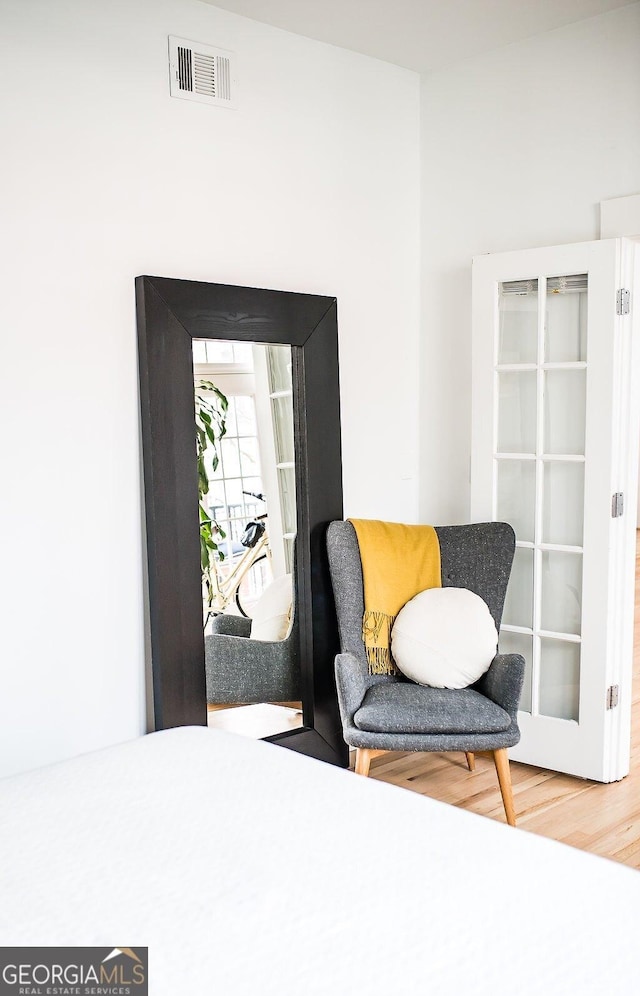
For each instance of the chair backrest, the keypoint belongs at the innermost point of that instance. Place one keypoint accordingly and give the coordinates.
(477, 556)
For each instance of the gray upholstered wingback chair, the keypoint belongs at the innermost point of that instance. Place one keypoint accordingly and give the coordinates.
(239, 669)
(388, 712)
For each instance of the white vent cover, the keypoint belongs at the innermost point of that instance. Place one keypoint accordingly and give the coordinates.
(200, 72)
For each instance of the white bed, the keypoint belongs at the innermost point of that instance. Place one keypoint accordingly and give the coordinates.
(248, 869)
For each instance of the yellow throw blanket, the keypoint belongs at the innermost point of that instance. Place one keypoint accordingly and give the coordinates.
(398, 561)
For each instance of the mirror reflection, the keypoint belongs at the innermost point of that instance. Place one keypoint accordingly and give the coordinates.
(246, 471)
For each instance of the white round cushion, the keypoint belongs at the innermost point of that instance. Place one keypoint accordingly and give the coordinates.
(271, 618)
(444, 637)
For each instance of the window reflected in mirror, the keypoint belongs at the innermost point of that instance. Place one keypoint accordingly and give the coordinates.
(247, 508)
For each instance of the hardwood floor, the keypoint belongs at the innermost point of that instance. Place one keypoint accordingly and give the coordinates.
(604, 819)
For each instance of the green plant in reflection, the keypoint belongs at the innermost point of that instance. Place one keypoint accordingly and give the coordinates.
(211, 425)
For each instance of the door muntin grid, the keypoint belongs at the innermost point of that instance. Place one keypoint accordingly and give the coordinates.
(538, 485)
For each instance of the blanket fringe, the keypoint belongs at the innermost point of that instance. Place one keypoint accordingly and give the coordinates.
(376, 628)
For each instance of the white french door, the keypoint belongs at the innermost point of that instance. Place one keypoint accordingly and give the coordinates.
(555, 438)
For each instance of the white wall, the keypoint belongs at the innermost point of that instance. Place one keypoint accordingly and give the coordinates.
(312, 185)
(518, 148)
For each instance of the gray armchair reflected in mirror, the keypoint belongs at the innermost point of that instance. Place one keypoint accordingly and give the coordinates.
(267, 646)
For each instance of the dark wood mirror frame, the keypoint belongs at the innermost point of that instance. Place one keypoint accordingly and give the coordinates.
(171, 313)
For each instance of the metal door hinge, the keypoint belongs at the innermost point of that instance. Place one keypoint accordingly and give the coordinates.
(613, 693)
(617, 505)
(623, 301)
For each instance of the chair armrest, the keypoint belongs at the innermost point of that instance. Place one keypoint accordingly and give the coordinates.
(503, 682)
(352, 681)
(231, 625)
(241, 670)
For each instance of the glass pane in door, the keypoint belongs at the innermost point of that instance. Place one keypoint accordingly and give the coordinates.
(559, 679)
(561, 592)
(283, 428)
(279, 363)
(564, 411)
(518, 318)
(516, 496)
(517, 411)
(565, 338)
(563, 503)
(518, 606)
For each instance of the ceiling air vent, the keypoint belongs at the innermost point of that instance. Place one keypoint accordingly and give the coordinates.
(200, 72)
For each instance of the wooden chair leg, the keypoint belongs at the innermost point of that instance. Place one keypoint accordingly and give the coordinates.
(363, 760)
(501, 761)
(364, 757)
(471, 760)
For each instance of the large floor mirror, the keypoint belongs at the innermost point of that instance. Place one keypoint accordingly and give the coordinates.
(248, 523)
(242, 467)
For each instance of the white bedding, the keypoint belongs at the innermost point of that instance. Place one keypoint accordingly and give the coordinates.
(248, 869)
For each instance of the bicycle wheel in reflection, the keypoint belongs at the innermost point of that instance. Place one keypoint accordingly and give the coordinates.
(253, 584)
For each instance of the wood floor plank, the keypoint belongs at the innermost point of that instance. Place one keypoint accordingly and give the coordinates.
(604, 819)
